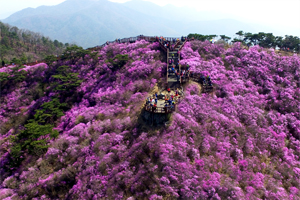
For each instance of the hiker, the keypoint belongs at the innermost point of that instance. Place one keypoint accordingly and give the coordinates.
(172, 55)
(208, 78)
(188, 74)
(169, 90)
(177, 76)
(171, 106)
(173, 70)
(187, 67)
(166, 99)
(202, 79)
(166, 108)
(176, 92)
(154, 108)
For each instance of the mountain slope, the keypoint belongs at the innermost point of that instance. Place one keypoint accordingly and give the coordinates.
(240, 142)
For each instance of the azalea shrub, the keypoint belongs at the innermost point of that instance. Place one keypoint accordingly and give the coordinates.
(239, 142)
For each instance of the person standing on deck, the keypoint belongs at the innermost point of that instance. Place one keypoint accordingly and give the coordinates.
(152, 101)
(166, 108)
(208, 78)
(154, 108)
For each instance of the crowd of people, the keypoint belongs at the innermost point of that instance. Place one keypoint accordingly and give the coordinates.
(183, 73)
(170, 44)
(206, 81)
(169, 100)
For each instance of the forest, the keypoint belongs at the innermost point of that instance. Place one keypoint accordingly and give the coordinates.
(267, 40)
(20, 46)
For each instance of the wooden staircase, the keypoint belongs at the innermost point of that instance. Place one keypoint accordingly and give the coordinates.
(172, 80)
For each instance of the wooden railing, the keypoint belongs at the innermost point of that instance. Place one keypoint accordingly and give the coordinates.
(166, 110)
(167, 65)
(163, 47)
(140, 37)
(176, 44)
(182, 45)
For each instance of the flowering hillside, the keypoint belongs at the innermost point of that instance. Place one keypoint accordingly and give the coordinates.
(73, 129)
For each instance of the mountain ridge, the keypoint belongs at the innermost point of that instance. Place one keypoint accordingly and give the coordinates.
(105, 21)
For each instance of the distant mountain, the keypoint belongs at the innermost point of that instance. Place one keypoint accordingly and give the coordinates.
(92, 22)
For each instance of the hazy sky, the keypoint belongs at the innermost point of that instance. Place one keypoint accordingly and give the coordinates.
(283, 13)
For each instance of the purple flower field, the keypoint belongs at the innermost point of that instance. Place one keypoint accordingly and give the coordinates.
(240, 142)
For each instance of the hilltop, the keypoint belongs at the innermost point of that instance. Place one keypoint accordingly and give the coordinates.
(73, 128)
(24, 46)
